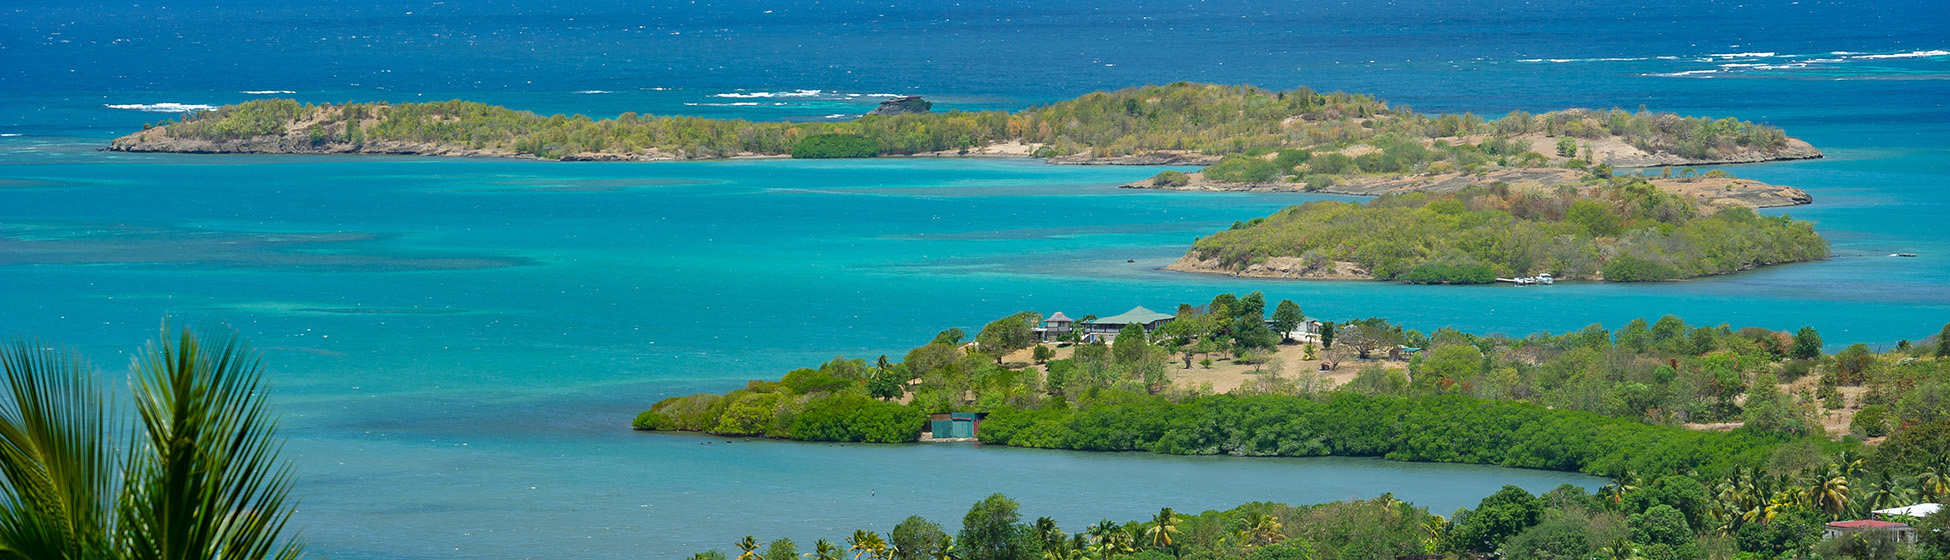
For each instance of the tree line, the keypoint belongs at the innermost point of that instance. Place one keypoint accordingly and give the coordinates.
(1617, 228)
(1204, 118)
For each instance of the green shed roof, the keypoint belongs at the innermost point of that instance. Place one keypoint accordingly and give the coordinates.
(1138, 315)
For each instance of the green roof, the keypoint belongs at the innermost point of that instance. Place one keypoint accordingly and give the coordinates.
(1138, 315)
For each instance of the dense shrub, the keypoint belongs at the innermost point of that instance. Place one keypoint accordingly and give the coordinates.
(820, 146)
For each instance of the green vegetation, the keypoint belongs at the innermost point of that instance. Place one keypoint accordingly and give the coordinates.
(835, 146)
(1593, 400)
(1204, 118)
(1669, 518)
(196, 475)
(1619, 228)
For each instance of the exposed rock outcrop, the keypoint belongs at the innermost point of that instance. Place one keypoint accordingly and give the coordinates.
(902, 105)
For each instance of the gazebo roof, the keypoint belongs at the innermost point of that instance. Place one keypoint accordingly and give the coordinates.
(1058, 316)
(1138, 315)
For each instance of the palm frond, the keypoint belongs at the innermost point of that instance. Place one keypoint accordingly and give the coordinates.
(205, 481)
(57, 496)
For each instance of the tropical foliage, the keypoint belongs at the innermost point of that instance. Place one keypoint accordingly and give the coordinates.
(197, 477)
(1619, 228)
(1669, 518)
(1204, 118)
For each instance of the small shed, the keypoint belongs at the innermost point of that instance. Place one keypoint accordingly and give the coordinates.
(952, 425)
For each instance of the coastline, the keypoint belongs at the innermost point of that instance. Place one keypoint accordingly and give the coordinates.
(1295, 268)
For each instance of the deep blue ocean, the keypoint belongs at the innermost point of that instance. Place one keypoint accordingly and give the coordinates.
(456, 345)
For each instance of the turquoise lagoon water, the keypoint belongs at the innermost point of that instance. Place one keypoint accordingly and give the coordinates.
(456, 345)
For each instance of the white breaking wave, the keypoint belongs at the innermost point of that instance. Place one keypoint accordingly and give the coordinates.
(739, 104)
(1916, 54)
(267, 92)
(838, 116)
(1684, 74)
(794, 93)
(9, 134)
(1743, 55)
(163, 107)
(593, 91)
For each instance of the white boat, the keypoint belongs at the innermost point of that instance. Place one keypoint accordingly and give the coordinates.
(1544, 279)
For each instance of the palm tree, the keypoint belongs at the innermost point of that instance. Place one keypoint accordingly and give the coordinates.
(749, 546)
(1266, 530)
(946, 550)
(867, 543)
(1049, 533)
(1829, 492)
(1619, 549)
(1163, 526)
(1437, 530)
(201, 478)
(1101, 532)
(824, 550)
(1885, 491)
(1934, 481)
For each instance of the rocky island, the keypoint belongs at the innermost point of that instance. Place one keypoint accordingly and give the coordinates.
(1518, 194)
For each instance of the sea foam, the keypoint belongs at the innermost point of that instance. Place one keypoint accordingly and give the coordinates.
(162, 107)
(1915, 54)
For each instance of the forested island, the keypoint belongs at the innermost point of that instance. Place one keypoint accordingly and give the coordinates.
(1176, 123)
(1516, 195)
(1610, 227)
(1720, 441)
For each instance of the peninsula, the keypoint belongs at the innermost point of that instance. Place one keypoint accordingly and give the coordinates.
(1714, 437)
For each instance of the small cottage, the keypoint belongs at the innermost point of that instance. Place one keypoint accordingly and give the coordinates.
(1054, 328)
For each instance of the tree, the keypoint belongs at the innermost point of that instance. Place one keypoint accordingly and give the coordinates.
(1371, 334)
(825, 550)
(1852, 363)
(1943, 342)
(1498, 517)
(1286, 317)
(1768, 411)
(1454, 362)
(1567, 147)
(1042, 354)
(1009, 334)
(1807, 344)
(748, 548)
(865, 543)
(887, 384)
(990, 530)
(202, 478)
(1556, 539)
(1662, 524)
(916, 538)
(1163, 527)
(1129, 347)
(1327, 336)
(782, 549)
(950, 336)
